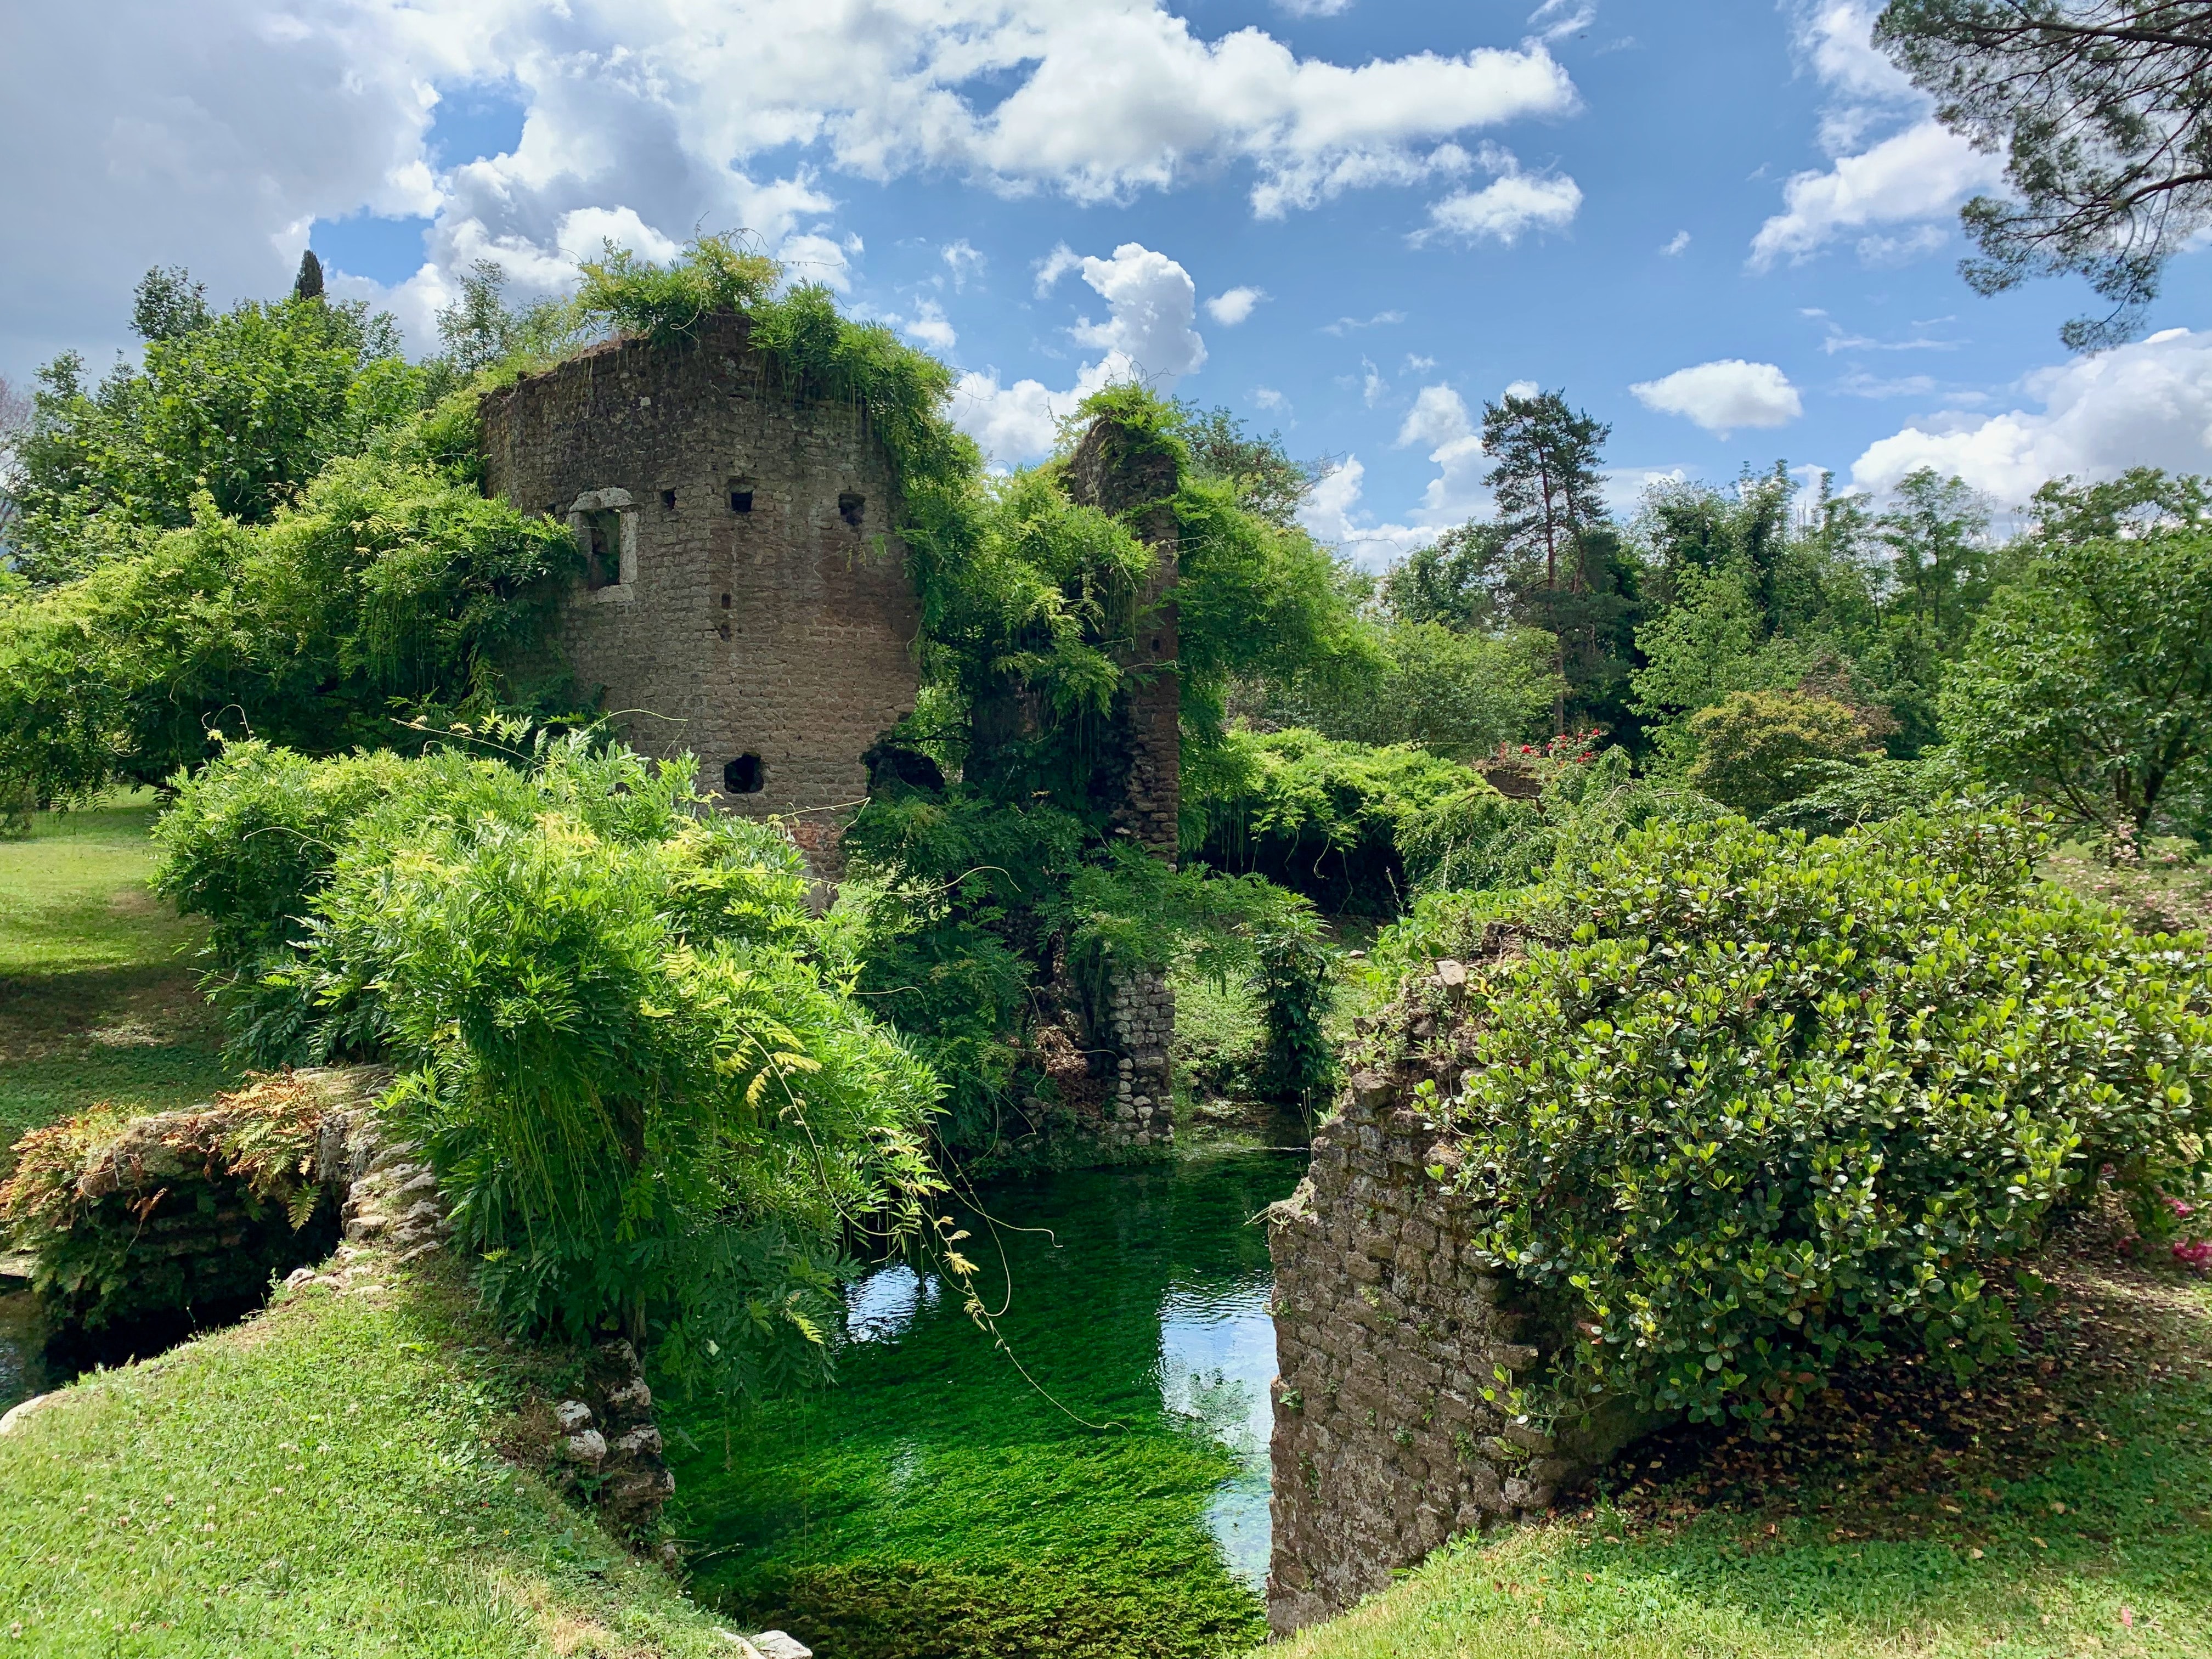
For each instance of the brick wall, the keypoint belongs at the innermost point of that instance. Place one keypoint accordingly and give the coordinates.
(783, 632)
(1388, 1326)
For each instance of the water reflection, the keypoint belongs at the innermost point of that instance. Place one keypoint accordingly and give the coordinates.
(1217, 1357)
(1084, 1428)
(22, 1338)
(882, 1307)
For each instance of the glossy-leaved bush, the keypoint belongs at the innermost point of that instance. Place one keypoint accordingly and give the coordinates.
(1744, 1108)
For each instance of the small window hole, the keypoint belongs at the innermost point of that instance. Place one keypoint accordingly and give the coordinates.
(725, 602)
(744, 776)
(668, 500)
(850, 508)
(602, 549)
(741, 495)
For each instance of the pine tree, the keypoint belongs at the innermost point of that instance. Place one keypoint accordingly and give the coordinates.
(308, 285)
(2103, 112)
(1546, 482)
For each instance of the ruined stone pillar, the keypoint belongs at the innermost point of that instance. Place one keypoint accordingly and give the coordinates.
(1123, 472)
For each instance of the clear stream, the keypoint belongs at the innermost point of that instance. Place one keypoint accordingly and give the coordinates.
(1110, 1464)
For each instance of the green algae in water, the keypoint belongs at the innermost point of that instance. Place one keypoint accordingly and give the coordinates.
(937, 1505)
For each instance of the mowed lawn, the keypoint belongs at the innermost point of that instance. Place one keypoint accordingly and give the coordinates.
(323, 1480)
(2062, 1505)
(320, 1481)
(97, 994)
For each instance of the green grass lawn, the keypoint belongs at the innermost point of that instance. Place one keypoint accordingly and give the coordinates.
(97, 999)
(2062, 1505)
(321, 1480)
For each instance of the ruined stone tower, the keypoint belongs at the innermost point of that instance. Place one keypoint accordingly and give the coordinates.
(746, 598)
(1117, 471)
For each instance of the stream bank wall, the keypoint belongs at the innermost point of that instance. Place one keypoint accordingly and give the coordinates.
(1388, 1328)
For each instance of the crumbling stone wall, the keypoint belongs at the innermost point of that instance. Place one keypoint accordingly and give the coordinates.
(747, 598)
(1113, 470)
(1388, 1328)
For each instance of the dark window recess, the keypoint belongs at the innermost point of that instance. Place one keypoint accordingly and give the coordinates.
(850, 508)
(668, 500)
(744, 776)
(725, 602)
(741, 495)
(602, 549)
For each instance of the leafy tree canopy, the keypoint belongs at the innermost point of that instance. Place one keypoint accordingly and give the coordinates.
(246, 406)
(2089, 684)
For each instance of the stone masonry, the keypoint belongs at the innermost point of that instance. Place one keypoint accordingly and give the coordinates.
(1112, 469)
(745, 598)
(1387, 1328)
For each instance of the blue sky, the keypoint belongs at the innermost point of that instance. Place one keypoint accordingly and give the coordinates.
(1728, 229)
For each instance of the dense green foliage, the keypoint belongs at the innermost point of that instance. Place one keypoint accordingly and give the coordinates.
(1327, 818)
(628, 1044)
(391, 592)
(1754, 747)
(1452, 692)
(1749, 1108)
(247, 407)
(1587, 799)
(2088, 684)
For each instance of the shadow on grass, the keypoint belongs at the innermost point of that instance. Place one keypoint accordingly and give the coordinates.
(2062, 1503)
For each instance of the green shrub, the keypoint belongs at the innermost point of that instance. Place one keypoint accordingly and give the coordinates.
(1744, 1108)
(1326, 819)
(251, 840)
(393, 591)
(627, 294)
(1588, 798)
(1753, 746)
(628, 1044)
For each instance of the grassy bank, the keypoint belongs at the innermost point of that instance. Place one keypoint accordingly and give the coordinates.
(321, 1480)
(97, 1000)
(2062, 1505)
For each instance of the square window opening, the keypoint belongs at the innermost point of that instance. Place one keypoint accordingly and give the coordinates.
(741, 494)
(745, 776)
(850, 509)
(668, 500)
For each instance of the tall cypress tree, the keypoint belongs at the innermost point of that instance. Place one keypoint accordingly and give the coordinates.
(308, 285)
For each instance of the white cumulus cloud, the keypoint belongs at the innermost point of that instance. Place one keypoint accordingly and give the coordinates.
(216, 134)
(1511, 204)
(1233, 306)
(1333, 515)
(1727, 396)
(2145, 404)
(1892, 196)
(929, 326)
(1921, 174)
(1439, 418)
(1148, 335)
